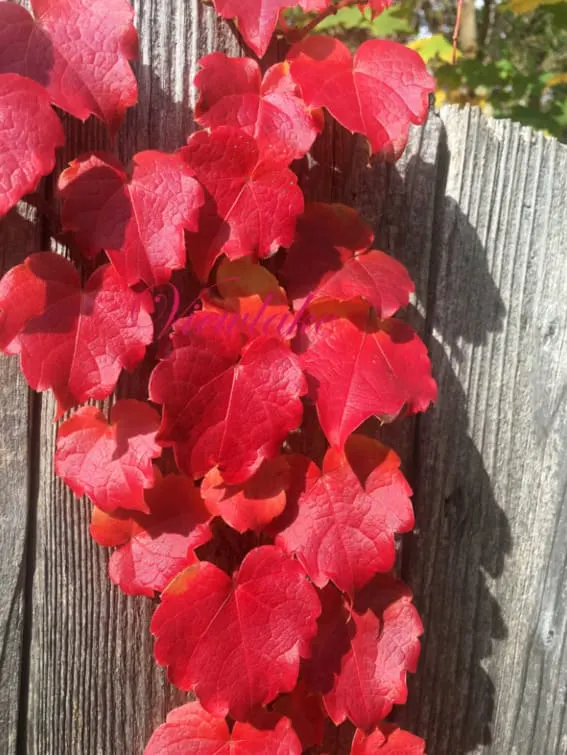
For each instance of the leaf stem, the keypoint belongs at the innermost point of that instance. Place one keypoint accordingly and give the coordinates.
(330, 11)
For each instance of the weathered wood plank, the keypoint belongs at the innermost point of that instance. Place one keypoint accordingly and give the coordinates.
(487, 564)
(19, 234)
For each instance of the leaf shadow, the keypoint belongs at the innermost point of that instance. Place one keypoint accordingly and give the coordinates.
(462, 534)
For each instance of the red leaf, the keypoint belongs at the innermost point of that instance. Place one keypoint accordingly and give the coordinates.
(252, 299)
(232, 93)
(251, 207)
(378, 94)
(154, 547)
(329, 260)
(30, 132)
(221, 411)
(70, 340)
(109, 462)
(237, 641)
(253, 504)
(387, 739)
(361, 655)
(356, 372)
(190, 730)
(306, 714)
(347, 518)
(257, 19)
(79, 51)
(138, 221)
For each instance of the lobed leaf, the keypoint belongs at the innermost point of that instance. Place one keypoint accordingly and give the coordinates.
(138, 220)
(237, 641)
(111, 462)
(233, 93)
(155, 546)
(72, 340)
(347, 517)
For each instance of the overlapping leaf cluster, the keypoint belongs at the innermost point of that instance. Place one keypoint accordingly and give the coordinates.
(278, 607)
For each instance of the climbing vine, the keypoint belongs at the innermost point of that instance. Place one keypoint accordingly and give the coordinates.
(242, 491)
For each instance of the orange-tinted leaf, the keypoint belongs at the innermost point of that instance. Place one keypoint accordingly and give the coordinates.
(190, 730)
(255, 503)
(156, 546)
(72, 340)
(387, 739)
(79, 51)
(361, 653)
(347, 517)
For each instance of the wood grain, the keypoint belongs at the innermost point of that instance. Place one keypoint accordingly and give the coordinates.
(475, 209)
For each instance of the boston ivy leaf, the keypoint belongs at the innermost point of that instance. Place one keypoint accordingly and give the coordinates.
(257, 18)
(251, 300)
(347, 518)
(359, 370)
(252, 205)
(111, 462)
(79, 51)
(361, 653)
(306, 714)
(30, 132)
(153, 547)
(237, 640)
(70, 340)
(234, 415)
(191, 730)
(232, 93)
(139, 219)
(378, 93)
(387, 739)
(329, 259)
(253, 504)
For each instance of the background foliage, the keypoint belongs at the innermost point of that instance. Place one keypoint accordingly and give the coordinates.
(511, 59)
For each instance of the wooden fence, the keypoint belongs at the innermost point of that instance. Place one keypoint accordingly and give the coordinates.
(477, 210)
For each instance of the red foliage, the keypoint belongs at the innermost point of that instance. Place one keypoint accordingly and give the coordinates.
(78, 51)
(232, 93)
(257, 18)
(237, 640)
(155, 546)
(362, 652)
(377, 93)
(30, 132)
(137, 220)
(190, 729)
(347, 517)
(111, 462)
(72, 340)
(252, 204)
(387, 739)
(304, 624)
